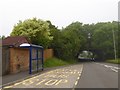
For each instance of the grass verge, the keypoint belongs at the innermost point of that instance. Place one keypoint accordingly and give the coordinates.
(114, 61)
(53, 62)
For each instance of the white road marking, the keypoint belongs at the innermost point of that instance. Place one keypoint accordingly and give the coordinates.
(52, 78)
(20, 80)
(113, 68)
(41, 82)
(76, 83)
(8, 87)
(17, 83)
(28, 83)
(61, 81)
(116, 68)
(79, 74)
(51, 82)
(107, 66)
(78, 78)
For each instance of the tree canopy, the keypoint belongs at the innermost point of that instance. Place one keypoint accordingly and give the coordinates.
(36, 30)
(73, 39)
(68, 42)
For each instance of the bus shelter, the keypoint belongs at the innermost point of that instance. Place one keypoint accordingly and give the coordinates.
(35, 57)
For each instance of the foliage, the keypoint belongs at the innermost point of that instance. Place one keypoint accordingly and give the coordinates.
(66, 42)
(2, 37)
(35, 29)
(73, 39)
(103, 38)
(114, 61)
(53, 62)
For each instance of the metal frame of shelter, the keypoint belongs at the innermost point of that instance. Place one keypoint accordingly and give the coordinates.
(36, 58)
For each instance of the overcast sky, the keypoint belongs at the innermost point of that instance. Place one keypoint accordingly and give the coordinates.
(60, 12)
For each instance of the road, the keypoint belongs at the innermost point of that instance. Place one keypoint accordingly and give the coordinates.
(99, 75)
(83, 75)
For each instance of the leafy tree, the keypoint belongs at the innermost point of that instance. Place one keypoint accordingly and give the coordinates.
(2, 37)
(36, 30)
(73, 39)
(66, 42)
(103, 38)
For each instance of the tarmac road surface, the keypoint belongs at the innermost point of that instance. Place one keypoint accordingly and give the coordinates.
(99, 75)
(66, 77)
(83, 75)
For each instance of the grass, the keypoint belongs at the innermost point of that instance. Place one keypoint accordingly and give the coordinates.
(114, 61)
(53, 62)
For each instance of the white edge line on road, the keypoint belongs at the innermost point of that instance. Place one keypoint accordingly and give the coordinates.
(114, 70)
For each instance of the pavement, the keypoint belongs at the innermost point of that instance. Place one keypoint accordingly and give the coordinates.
(83, 76)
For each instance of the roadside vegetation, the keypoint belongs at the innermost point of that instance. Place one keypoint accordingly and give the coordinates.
(114, 61)
(71, 40)
(53, 62)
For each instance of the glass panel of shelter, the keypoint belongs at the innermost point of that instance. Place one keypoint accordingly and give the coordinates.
(36, 59)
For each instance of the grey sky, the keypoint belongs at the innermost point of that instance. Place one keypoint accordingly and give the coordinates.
(60, 12)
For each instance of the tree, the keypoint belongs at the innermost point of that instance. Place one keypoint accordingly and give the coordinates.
(103, 38)
(67, 42)
(36, 30)
(2, 37)
(73, 39)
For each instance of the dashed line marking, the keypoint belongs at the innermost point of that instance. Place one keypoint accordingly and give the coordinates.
(79, 74)
(78, 78)
(76, 83)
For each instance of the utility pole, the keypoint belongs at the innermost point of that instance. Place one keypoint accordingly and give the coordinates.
(89, 40)
(114, 43)
(89, 43)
